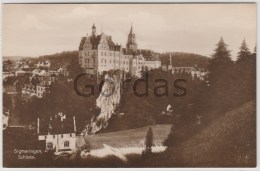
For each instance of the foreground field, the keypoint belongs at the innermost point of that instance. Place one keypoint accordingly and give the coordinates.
(131, 137)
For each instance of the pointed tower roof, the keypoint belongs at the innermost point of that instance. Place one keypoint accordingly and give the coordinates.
(131, 30)
(131, 45)
(93, 27)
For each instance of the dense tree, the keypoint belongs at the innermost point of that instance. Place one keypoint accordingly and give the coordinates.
(244, 52)
(246, 74)
(74, 69)
(221, 77)
(220, 59)
(230, 85)
(149, 141)
(171, 139)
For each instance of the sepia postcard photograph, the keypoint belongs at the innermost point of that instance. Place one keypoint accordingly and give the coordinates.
(129, 85)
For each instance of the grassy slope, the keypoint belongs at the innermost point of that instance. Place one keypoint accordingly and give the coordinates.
(230, 141)
(131, 137)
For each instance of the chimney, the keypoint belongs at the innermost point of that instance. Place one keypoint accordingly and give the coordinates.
(38, 125)
(50, 127)
(74, 123)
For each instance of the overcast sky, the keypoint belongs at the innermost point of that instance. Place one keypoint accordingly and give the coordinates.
(33, 30)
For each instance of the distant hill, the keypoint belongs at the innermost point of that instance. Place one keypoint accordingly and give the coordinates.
(16, 58)
(69, 59)
(229, 141)
(178, 58)
(63, 59)
(184, 59)
(66, 59)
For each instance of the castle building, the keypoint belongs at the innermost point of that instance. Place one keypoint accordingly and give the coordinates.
(98, 53)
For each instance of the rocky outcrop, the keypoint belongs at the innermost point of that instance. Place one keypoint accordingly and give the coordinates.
(107, 101)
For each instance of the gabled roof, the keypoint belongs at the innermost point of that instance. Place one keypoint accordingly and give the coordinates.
(95, 40)
(56, 126)
(82, 43)
(131, 52)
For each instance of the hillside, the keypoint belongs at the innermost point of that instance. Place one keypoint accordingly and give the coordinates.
(230, 141)
(66, 59)
(184, 59)
(62, 59)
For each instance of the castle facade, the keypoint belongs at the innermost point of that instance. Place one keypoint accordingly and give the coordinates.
(98, 53)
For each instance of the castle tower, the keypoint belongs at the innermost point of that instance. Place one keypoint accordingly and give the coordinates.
(131, 45)
(94, 30)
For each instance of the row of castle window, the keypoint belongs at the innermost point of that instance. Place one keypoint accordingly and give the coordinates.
(110, 61)
(106, 54)
(88, 60)
(102, 46)
(109, 54)
(126, 68)
(113, 61)
(102, 53)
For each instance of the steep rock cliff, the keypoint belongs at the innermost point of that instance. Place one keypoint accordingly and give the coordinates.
(107, 101)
